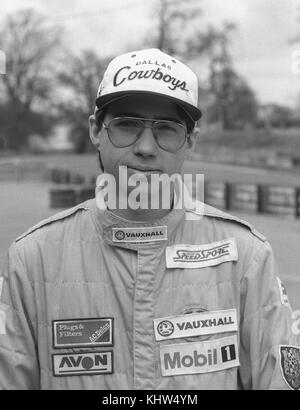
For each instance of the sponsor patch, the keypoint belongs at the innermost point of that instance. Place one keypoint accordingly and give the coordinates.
(200, 256)
(82, 332)
(290, 365)
(156, 233)
(1, 286)
(283, 294)
(193, 309)
(198, 324)
(2, 313)
(296, 322)
(2, 322)
(194, 358)
(86, 363)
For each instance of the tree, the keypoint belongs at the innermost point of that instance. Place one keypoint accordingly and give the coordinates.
(178, 32)
(215, 45)
(234, 102)
(276, 115)
(296, 38)
(172, 17)
(29, 46)
(80, 78)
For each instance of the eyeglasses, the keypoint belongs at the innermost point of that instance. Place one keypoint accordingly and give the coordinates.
(125, 131)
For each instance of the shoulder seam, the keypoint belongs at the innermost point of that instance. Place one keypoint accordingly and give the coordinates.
(57, 217)
(215, 213)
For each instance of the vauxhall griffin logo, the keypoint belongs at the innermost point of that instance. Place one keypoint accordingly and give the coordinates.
(120, 235)
(165, 328)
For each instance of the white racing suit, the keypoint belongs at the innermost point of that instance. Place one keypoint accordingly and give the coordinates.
(92, 301)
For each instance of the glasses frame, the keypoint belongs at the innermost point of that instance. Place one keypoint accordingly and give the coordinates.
(143, 120)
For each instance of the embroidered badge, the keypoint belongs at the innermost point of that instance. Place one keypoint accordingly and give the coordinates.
(2, 322)
(87, 363)
(143, 234)
(290, 366)
(1, 286)
(188, 310)
(198, 324)
(205, 357)
(82, 332)
(283, 295)
(2, 312)
(200, 256)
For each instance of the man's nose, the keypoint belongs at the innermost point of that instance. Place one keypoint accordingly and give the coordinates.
(146, 144)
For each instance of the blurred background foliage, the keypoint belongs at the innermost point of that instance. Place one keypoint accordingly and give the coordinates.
(49, 91)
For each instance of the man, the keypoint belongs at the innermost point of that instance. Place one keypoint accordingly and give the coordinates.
(107, 296)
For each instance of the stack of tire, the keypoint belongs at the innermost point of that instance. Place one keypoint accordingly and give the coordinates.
(72, 189)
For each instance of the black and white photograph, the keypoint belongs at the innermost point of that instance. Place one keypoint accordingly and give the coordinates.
(149, 197)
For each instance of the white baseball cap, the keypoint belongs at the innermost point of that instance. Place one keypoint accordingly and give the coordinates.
(150, 71)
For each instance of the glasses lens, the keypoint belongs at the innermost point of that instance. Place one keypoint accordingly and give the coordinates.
(170, 135)
(124, 131)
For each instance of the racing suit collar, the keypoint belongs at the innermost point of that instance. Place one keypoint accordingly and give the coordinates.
(106, 222)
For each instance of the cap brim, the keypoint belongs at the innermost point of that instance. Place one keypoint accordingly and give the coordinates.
(104, 100)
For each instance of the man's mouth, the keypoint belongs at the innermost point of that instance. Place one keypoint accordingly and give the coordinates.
(143, 170)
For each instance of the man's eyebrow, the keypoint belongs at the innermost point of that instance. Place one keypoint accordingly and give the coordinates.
(133, 114)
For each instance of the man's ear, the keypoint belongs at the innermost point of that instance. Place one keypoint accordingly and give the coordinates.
(191, 142)
(94, 131)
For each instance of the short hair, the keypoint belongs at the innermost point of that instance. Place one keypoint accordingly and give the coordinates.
(190, 124)
(99, 117)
